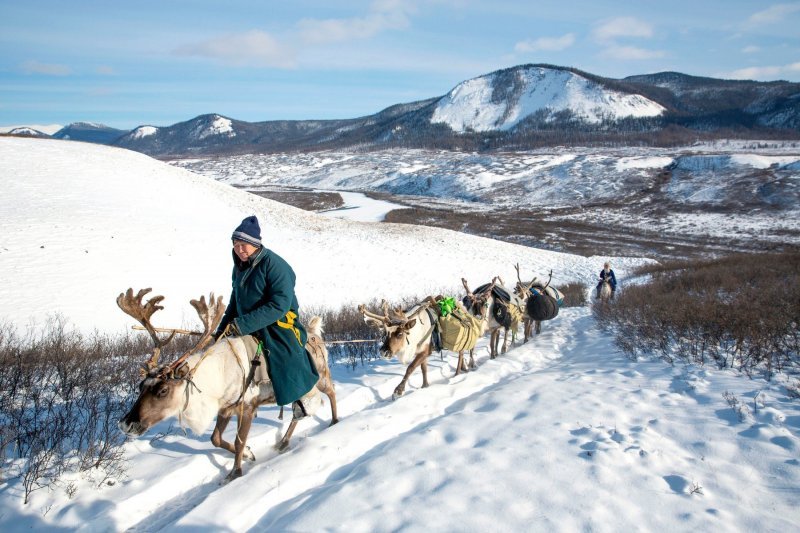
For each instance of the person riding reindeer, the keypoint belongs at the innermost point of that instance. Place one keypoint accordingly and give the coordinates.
(606, 275)
(263, 304)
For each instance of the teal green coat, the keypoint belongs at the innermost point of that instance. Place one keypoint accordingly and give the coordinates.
(263, 304)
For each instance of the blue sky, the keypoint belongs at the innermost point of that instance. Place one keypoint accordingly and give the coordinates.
(159, 62)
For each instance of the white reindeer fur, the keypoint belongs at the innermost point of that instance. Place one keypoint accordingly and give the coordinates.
(415, 335)
(219, 380)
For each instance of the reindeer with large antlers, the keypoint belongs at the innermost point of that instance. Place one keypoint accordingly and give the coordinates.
(406, 335)
(204, 383)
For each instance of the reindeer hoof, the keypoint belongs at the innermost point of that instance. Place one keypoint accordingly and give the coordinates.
(396, 394)
(282, 446)
(235, 473)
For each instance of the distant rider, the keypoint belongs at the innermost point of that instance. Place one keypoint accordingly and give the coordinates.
(607, 274)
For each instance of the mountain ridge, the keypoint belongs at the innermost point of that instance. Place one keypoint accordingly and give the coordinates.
(516, 108)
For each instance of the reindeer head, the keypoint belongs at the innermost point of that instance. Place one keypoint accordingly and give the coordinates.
(523, 289)
(162, 389)
(396, 329)
(478, 304)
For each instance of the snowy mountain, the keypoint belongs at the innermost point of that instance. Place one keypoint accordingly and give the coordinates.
(89, 132)
(27, 132)
(523, 107)
(560, 434)
(501, 100)
(47, 129)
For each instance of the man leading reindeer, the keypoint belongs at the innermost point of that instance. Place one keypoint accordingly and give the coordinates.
(263, 304)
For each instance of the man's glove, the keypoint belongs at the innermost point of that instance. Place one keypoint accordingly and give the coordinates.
(230, 330)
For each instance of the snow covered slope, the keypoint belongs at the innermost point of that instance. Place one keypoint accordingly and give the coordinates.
(82, 222)
(560, 434)
(494, 102)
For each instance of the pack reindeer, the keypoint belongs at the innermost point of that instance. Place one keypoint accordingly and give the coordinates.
(534, 314)
(208, 382)
(407, 336)
(485, 297)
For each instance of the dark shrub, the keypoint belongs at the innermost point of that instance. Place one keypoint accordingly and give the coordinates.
(741, 311)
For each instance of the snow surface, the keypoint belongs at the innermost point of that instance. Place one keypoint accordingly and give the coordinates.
(472, 106)
(70, 210)
(560, 434)
(757, 175)
(360, 207)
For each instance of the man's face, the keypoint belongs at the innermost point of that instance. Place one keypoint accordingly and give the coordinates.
(243, 249)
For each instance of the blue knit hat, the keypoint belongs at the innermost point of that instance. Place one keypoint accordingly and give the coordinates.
(248, 231)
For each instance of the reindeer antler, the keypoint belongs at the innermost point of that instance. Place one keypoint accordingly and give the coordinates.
(548, 279)
(142, 312)
(466, 287)
(210, 317)
(519, 278)
(369, 314)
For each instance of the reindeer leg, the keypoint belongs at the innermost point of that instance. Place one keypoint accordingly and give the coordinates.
(460, 363)
(245, 421)
(538, 326)
(493, 342)
(219, 429)
(400, 389)
(472, 364)
(331, 394)
(283, 445)
(505, 340)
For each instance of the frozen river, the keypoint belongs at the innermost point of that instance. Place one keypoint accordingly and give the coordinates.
(360, 207)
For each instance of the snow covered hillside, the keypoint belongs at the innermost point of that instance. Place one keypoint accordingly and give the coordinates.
(560, 434)
(84, 222)
(727, 191)
(484, 103)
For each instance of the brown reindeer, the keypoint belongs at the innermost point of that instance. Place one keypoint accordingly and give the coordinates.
(208, 382)
(406, 335)
(495, 307)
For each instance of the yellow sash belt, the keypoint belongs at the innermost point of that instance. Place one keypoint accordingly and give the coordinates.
(288, 323)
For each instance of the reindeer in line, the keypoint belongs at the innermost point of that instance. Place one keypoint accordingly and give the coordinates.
(485, 296)
(533, 315)
(408, 335)
(208, 382)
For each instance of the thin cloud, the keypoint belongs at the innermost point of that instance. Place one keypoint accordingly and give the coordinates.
(252, 48)
(553, 44)
(384, 15)
(105, 70)
(631, 53)
(764, 72)
(261, 49)
(622, 27)
(773, 14)
(48, 69)
(752, 49)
